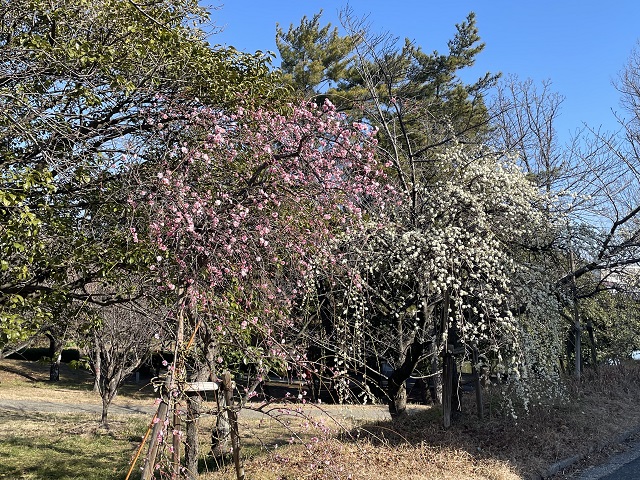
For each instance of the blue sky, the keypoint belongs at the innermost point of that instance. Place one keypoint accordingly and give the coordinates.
(581, 46)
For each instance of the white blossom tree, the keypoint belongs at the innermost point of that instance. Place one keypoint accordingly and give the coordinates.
(454, 271)
(438, 267)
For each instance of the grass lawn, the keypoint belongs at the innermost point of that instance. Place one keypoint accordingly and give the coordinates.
(65, 446)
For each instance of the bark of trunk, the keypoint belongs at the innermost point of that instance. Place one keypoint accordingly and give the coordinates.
(194, 409)
(577, 366)
(192, 447)
(55, 354)
(221, 434)
(397, 398)
(233, 418)
(435, 388)
(54, 370)
(105, 411)
(396, 389)
(97, 370)
(110, 389)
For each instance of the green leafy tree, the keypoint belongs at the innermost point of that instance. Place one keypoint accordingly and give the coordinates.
(314, 58)
(615, 320)
(75, 80)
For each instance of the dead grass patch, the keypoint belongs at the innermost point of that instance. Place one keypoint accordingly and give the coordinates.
(24, 380)
(499, 447)
(331, 459)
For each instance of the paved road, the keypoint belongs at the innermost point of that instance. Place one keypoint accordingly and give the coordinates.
(349, 412)
(43, 406)
(624, 466)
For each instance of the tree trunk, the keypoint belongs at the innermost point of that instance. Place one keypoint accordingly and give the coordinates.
(233, 419)
(54, 370)
(105, 411)
(221, 434)
(397, 392)
(194, 409)
(477, 384)
(577, 350)
(435, 387)
(192, 447)
(397, 389)
(108, 394)
(97, 369)
(55, 354)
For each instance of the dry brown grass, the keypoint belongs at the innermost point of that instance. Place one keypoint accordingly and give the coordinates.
(332, 459)
(354, 445)
(499, 447)
(23, 380)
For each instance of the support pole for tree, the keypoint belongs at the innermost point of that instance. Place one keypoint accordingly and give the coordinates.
(178, 366)
(176, 442)
(576, 321)
(159, 419)
(477, 383)
(163, 409)
(592, 344)
(447, 385)
(233, 419)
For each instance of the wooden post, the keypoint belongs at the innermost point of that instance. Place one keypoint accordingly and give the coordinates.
(477, 384)
(576, 321)
(159, 419)
(233, 419)
(163, 409)
(447, 385)
(176, 442)
(592, 343)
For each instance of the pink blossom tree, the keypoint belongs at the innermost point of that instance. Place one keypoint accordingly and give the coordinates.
(245, 204)
(243, 208)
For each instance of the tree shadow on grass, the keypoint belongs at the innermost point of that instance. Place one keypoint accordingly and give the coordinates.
(65, 446)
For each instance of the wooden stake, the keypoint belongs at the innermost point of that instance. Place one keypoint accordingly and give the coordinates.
(233, 419)
(477, 384)
(447, 386)
(150, 461)
(176, 442)
(576, 321)
(163, 409)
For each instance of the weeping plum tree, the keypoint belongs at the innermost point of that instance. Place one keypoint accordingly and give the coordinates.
(450, 275)
(245, 207)
(247, 204)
